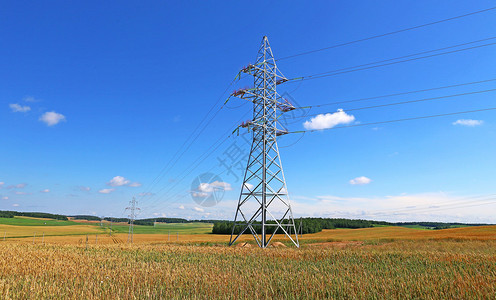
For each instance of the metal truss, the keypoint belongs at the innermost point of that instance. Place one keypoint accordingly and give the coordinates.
(263, 207)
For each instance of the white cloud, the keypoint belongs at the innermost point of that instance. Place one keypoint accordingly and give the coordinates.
(5, 198)
(360, 180)
(393, 208)
(249, 186)
(436, 206)
(45, 191)
(21, 193)
(329, 120)
(118, 181)
(181, 206)
(85, 188)
(52, 118)
(216, 185)
(17, 186)
(30, 99)
(162, 215)
(468, 122)
(15, 205)
(1, 184)
(206, 189)
(106, 191)
(19, 108)
(135, 184)
(199, 209)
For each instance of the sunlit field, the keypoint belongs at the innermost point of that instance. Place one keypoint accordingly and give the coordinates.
(380, 262)
(432, 269)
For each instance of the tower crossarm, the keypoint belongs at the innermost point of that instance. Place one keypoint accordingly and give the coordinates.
(252, 69)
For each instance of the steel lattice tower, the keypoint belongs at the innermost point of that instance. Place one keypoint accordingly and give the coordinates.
(132, 216)
(263, 207)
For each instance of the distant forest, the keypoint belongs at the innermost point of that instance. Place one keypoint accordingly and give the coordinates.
(314, 225)
(303, 225)
(11, 214)
(145, 222)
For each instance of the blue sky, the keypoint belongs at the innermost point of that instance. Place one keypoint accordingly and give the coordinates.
(96, 98)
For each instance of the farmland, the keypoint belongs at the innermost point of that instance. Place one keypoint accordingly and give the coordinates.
(401, 269)
(379, 262)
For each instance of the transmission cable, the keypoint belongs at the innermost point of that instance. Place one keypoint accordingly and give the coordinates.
(397, 94)
(399, 103)
(453, 206)
(359, 68)
(387, 34)
(172, 162)
(199, 161)
(458, 201)
(399, 120)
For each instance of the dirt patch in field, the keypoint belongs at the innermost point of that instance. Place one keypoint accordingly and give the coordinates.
(277, 245)
(244, 245)
(336, 244)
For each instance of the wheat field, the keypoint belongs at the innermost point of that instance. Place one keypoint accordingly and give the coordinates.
(426, 268)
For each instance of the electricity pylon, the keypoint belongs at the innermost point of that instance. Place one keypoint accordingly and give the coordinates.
(132, 216)
(263, 207)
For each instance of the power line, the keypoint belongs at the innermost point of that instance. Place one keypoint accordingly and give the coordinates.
(398, 94)
(353, 69)
(355, 125)
(400, 103)
(387, 34)
(171, 164)
(176, 195)
(195, 164)
(183, 175)
(452, 206)
(410, 55)
(400, 120)
(446, 203)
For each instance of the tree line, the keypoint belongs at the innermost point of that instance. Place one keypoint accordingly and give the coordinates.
(11, 214)
(303, 225)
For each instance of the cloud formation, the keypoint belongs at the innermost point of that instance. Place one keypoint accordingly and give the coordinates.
(249, 186)
(30, 99)
(19, 108)
(85, 188)
(45, 191)
(329, 120)
(205, 189)
(122, 181)
(17, 186)
(52, 118)
(199, 209)
(118, 181)
(213, 186)
(468, 122)
(106, 191)
(360, 180)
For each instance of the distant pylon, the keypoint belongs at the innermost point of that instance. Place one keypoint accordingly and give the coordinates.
(132, 216)
(263, 207)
